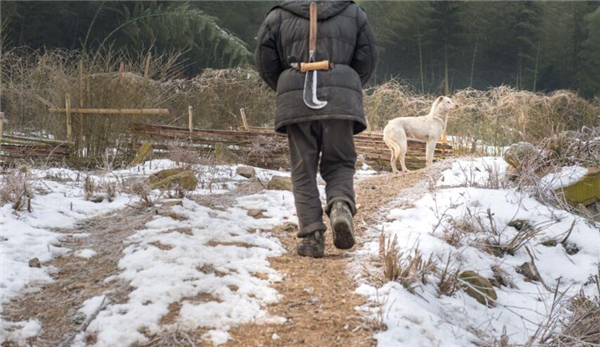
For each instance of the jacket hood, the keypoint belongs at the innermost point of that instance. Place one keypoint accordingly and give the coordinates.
(325, 9)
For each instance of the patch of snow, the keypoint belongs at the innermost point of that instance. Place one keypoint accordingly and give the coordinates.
(85, 253)
(365, 171)
(19, 332)
(564, 178)
(91, 305)
(217, 337)
(473, 172)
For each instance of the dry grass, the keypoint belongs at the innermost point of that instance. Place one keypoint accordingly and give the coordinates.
(142, 189)
(582, 325)
(51, 74)
(115, 79)
(187, 157)
(15, 189)
(410, 270)
(496, 117)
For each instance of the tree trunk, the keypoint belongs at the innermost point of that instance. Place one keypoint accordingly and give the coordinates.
(446, 82)
(421, 67)
(473, 62)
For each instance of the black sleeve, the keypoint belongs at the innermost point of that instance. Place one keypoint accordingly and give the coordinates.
(366, 55)
(266, 57)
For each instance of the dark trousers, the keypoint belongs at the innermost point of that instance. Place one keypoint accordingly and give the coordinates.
(331, 140)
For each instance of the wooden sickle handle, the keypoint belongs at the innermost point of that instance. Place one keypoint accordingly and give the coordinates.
(319, 65)
(312, 39)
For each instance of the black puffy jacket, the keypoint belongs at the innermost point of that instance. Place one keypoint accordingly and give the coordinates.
(344, 37)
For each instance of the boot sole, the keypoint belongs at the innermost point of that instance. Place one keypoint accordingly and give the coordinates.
(342, 235)
(307, 251)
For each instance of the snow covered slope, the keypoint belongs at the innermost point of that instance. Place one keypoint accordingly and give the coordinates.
(459, 220)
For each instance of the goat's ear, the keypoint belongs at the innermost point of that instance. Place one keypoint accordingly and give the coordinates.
(438, 100)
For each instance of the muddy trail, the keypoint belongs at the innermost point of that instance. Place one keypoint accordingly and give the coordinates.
(318, 296)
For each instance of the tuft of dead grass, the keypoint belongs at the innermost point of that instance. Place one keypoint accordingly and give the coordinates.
(410, 270)
(581, 327)
(16, 190)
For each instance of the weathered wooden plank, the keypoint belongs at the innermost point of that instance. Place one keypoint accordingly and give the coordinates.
(114, 111)
(35, 140)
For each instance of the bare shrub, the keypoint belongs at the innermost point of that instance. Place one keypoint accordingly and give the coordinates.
(389, 251)
(185, 156)
(16, 190)
(51, 74)
(89, 187)
(410, 270)
(268, 151)
(142, 189)
(373, 322)
(220, 94)
(448, 278)
(109, 188)
(582, 326)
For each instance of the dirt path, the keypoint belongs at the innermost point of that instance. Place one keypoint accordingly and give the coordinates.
(318, 298)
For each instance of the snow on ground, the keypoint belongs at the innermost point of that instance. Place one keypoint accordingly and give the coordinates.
(86, 253)
(480, 146)
(214, 262)
(565, 177)
(473, 172)
(427, 319)
(25, 236)
(59, 202)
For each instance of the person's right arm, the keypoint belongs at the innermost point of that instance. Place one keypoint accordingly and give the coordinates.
(266, 56)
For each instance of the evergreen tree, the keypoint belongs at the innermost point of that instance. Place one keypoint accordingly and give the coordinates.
(590, 54)
(446, 32)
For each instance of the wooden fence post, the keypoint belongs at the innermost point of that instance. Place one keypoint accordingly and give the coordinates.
(244, 121)
(80, 143)
(142, 94)
(190, 121)
(1, 127)
(121, 68)
(146, 72)
(69, 120)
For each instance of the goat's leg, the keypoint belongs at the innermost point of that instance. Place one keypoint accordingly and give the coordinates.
(429, 152)
(393, 160)
(403, 149)
(393, 152)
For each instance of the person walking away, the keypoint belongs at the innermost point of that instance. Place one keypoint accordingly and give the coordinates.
(319, 138)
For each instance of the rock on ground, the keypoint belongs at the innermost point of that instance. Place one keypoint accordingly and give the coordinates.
(479, 288)
(172, 178)
(280, 183)
(246, 171)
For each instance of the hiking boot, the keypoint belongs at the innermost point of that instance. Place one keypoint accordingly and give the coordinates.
(312, 245)
(341, 223)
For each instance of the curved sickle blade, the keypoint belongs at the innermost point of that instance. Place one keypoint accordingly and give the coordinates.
(310, 91)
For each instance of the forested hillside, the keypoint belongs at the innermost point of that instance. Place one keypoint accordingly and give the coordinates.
(437, 46)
